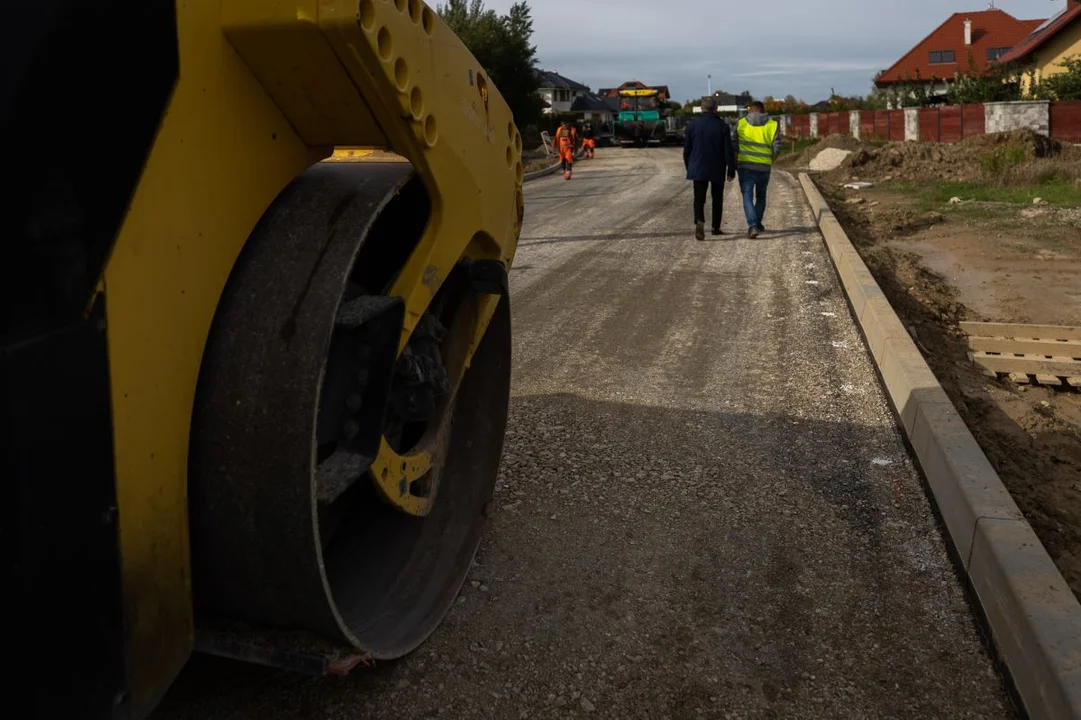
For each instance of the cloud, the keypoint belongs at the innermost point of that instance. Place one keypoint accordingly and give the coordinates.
(777, 48)
(802, 67)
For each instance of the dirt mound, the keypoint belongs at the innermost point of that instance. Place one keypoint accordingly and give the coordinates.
(835, 142)
(977, 158)
(829, 159)
(1031, 143)
(830, 142)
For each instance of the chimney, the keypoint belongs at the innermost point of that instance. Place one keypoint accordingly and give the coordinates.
(968, 32)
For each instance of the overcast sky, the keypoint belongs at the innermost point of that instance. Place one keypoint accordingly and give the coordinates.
(770, 47)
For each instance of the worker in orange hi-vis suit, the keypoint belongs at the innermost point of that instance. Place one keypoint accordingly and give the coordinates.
(567, 142)
(589, 141)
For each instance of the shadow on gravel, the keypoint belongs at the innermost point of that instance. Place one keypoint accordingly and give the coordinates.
(688, 563)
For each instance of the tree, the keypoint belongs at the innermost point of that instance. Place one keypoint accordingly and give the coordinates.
(773, 106)
(1065, 85)
(996, 84)
(687, 108)
(792, 106)
(841, 103)
(503, 46)
(910, 92)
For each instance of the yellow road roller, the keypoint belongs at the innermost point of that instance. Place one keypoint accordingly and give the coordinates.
(256, 351)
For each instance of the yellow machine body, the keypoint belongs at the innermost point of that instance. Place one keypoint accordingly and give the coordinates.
(266, 88)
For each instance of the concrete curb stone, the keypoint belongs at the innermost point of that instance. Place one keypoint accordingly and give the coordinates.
(1034, 617)
(540, 173)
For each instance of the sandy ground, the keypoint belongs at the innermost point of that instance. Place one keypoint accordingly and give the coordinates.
(705, 508)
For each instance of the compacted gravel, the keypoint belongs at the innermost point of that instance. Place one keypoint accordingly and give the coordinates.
(705, 508)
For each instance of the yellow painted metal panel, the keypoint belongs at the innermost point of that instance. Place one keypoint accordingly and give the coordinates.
(427, 95)
(262, 83)
(223, 153)
(430, 97)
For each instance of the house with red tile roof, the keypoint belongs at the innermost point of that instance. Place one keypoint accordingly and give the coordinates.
(1041, 54)
(966, 42)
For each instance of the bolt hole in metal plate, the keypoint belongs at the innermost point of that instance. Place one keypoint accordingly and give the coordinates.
(296, 392)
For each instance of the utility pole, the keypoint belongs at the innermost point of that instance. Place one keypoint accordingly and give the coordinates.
(709, 85)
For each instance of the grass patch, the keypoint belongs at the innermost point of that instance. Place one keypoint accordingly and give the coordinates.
(934, 194)
(795, 147)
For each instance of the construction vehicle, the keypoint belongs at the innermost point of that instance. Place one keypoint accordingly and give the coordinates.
(641, 118)
(256, 349)
(675, 126)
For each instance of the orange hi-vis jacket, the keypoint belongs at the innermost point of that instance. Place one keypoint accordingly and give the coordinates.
(567, 137)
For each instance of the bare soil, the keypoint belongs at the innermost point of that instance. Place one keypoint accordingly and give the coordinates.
(803, 159)
(994, 262)
(541, 163)
(1002, 156)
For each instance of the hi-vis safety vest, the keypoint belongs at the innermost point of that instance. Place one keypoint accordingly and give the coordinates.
(756, 142)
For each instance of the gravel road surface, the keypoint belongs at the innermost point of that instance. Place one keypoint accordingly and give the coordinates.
(705, 508)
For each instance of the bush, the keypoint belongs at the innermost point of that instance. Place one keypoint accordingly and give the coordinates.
(1016, 166)
(1065, 85)
(1003, 159)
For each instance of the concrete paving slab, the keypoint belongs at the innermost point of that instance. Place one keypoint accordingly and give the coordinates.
(965, 485)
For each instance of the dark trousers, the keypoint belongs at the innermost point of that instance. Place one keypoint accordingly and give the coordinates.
(717, 196)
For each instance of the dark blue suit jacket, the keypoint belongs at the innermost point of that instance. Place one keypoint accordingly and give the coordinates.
(707, 148)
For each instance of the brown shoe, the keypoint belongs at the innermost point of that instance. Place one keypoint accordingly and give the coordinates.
(699, 231)
(752, 233)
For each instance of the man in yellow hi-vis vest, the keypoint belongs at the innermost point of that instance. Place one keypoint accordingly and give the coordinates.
(758, 142)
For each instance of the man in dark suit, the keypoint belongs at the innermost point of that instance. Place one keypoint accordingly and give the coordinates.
(709, 157)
